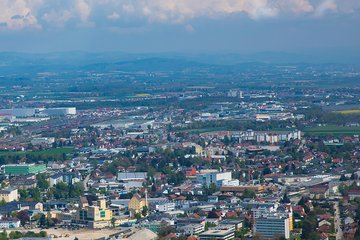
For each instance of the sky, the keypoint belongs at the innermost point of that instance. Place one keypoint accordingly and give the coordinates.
(186, 26)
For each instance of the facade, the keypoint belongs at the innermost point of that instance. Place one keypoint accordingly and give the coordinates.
(9, 223)
(21, 169)
(43, 140)
(270, 227)
(96, 216)
(192, 229)
(23, 182)
(136, 204)
(165, 207)
(216, 178)
(217, 234)
(19, 112)
(59, 111)
(132, 176)
(9, 195)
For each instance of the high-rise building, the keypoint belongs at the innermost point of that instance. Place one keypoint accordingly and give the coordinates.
(272, 226)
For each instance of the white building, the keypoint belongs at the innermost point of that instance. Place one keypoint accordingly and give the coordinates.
(59, 111)
(165, 207)
(269, 227)
(192, 229)
(6, 223)
(43, 140)
(132, 176)
(216, 177)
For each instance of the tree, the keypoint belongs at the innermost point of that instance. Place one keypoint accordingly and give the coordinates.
(144, 211)
(42, 220)
(42, 181)
(3, 235)
(357, 233)
(113, 221)
(354, 176)
(285, 199)
(23, 216)
(165, 230)
(343, 178)
(2, 202)
(137, 216)
(249, 194)
(213, 214)
(267, 171)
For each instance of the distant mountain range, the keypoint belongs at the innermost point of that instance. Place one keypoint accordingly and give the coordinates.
(11, 62)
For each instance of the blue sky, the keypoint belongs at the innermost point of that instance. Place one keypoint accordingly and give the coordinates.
(180, 25)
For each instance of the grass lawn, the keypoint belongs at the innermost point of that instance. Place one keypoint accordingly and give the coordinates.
(203, 130)
(332, 130)
(55, 152)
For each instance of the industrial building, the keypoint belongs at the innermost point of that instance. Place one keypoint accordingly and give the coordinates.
(22, 169)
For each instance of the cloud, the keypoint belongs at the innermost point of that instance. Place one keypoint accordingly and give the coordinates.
(20, 14)
(325, 7)
(114, 16)
(189, 28)
(84, 10)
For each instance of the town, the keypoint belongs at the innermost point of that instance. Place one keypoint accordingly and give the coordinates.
(182, 162)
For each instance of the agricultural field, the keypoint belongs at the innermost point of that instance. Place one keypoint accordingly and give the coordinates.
(349, 112)
(332, 130)
(56, 153)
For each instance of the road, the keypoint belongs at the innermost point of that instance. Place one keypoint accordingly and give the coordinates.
(85, 182)
(337, 220)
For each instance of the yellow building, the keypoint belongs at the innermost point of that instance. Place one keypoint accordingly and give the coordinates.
(96, 216)
(9, 195)
(136, 204)
(60, 215)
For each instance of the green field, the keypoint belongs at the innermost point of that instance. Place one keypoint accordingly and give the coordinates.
(332, 130)
(53, 152)
(203, 130)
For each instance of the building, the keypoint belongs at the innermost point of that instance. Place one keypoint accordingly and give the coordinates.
(320, 191)
(94, 216)
(19, 112)
(270, 227)
(217, 234)
(56, 178)
(43, 141)
(243, 188)
(10, 207)
(23, 182)
(132, 176)
(165, 207)
(136, 204)
(216, 178)
(9, 195)
(354, 193)
(191, 229)
(9, 223)
(59, 111)
(21, 169)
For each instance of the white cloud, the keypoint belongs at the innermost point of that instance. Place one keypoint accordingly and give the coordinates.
(325, 7)
(83, 9)
(114, 16)
(189, 28)
(19, 14)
